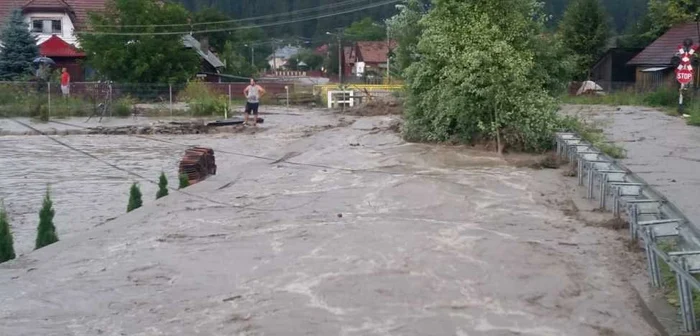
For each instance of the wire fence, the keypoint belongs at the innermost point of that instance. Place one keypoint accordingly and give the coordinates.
(194, 99)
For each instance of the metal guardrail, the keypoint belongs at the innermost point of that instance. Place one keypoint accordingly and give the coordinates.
(651, 216)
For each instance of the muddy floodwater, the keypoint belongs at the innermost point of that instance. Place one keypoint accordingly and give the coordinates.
(335, 227)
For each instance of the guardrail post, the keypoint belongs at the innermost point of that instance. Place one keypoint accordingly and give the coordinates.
(580, 171)
(685, 293)
(633, 217)
(654, 261)
(651, 255)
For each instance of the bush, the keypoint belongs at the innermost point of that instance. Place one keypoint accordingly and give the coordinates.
(478, 78)
(46, 232)
(202, 100)
(662, 97)
(122, 107)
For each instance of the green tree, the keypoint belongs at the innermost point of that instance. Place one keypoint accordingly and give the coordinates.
(135, 201)
(143, 57)
(405, 29)
(475, 78)
(312, 60)
(365, 30)
(663, 14)
(585, 30)
(184, 181)
(162, 186)
(46, 232)
(236, 64)
(7, 250)
(18, 48)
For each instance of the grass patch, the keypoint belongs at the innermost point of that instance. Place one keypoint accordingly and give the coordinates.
(664, 98)
(595, 136)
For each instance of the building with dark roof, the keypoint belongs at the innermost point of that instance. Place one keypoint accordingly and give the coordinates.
(653, 65)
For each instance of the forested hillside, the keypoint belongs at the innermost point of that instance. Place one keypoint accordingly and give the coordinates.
(623, 12)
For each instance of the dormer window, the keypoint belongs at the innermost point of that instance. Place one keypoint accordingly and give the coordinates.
(46, 26)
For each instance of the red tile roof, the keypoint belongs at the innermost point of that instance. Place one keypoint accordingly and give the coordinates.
(54, 46)
(659, 53)
(373, 51)
(80, 8)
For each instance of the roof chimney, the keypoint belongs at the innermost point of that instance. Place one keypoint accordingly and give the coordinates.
(204, 45)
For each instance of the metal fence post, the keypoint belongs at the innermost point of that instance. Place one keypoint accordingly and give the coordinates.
(230, 101)
(170, 92)
(48, 84)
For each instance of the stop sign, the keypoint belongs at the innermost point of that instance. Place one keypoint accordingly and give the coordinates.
(684, 76)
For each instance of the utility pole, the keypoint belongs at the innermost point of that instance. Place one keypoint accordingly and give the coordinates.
(340, 55)
(388, 54)
(252, 54)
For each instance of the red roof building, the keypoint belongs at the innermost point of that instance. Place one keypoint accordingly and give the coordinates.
(367, 57)
(653, 64)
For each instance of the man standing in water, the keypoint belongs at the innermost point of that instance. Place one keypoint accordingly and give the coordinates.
(253, 93)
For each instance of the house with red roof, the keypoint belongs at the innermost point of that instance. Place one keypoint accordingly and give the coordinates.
(54, 24)
(365, 58)
(653, 65)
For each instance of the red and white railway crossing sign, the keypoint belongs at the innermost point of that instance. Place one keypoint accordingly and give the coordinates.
(684, 71)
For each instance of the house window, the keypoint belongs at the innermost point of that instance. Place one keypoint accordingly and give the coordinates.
(55, 26)
(46, 26)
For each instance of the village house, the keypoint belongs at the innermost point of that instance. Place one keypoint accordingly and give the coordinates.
(54, 23)
(653, 66)
(367, 58)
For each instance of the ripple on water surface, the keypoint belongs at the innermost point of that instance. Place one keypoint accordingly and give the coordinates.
(85, 191)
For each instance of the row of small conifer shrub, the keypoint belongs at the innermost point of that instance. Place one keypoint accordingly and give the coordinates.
(46, 231)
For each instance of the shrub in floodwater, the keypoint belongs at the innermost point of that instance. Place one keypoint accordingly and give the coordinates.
(135, 201)
(7, 250)
(46, 232)
(162, 186)
(184, 181)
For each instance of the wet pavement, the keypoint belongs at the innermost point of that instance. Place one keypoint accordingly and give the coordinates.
(661, 149)
(344, 230)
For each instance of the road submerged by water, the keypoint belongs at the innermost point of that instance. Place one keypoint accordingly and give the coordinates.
(355, 232)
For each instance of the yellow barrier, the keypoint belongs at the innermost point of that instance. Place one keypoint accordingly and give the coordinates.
(323, 89)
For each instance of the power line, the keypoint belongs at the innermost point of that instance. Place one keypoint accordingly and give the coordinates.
(256, 18)
(92, 156)
(270, 159)
(308, 18)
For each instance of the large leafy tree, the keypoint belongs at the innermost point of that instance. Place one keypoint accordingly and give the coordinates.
(405, 28)
(585, 29)
(139, 56)
(365, 30)
(476, 76)
(18, 48)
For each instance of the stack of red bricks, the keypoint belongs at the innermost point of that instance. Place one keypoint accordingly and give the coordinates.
(198, 163)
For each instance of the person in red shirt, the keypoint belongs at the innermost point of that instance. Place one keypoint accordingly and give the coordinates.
(65, 83)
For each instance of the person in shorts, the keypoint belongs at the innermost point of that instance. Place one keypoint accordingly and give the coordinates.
(253, 93)
(65, 83)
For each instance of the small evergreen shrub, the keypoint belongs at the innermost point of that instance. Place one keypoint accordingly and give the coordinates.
(162, 186)
(46, 232)
(184, 181)
(135, 201)
(7, 250)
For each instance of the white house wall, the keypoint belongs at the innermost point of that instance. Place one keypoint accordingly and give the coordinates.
(67, 28)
